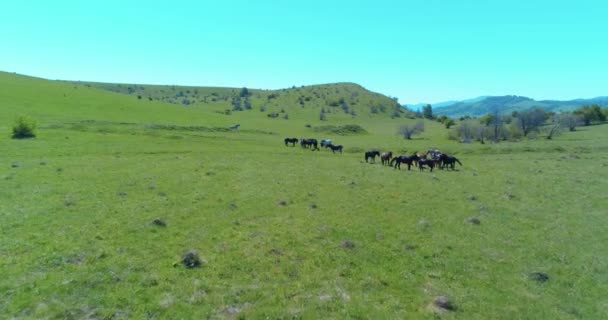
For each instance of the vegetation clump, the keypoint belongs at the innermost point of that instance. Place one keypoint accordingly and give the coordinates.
(159, 222)
(539, 277)
(444, 303)
(474, 220)
(347, 244)
(24, 128)
(349, 129)
(191, 259)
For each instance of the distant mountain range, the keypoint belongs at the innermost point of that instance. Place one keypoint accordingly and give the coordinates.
(505, 104)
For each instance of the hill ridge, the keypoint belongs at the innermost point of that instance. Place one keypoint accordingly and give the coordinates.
(509, 103)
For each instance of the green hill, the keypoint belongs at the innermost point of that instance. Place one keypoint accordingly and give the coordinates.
(508, 104)
(338, 100)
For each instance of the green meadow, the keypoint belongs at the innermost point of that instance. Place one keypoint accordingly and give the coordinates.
(285, 232)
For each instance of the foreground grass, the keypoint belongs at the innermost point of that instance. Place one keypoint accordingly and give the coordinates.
(270, 222)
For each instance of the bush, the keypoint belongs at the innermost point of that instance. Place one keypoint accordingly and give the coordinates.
(24, 128)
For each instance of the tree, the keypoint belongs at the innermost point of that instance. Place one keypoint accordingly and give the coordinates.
(244, 93)
(591, 114)
(467, 130)
(247, 104)
(555, 127)
(442, 118)
(571, 120)
(236, 104)
(24, 128)
(427, 112)
(481, 133)
(495, 122)
(448, 123)
(530, 120)
(322, 115)
(408, 130)
(396, 111)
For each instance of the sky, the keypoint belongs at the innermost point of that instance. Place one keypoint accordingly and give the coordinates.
(417, 51)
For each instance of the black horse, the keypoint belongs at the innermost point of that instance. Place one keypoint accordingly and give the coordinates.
(426, 163)
(448, 161)
(385, 157)
(409, 160)
(312, 143)
(335, 148)
(372, 155)
(293, 141)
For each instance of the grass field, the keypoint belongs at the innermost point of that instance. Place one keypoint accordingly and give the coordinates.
(284, 232)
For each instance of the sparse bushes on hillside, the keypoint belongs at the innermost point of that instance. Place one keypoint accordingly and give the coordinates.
(530, 120)
(409, 130)
(348, 129)
(571, 120)
(24, 128)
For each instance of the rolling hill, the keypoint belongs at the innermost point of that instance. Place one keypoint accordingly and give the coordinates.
(338, 99)
(510, 103)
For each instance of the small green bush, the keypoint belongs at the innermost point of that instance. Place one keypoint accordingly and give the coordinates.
(24, 128)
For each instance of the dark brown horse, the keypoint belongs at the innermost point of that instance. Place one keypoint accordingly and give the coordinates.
(372, 154)
(385, 158)
(335, 148)
(409, 160)
(310, 143)
(426, 163)
(293, 141)
(448, 161)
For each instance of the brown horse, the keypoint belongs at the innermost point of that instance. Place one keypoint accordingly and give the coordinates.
(385, 158)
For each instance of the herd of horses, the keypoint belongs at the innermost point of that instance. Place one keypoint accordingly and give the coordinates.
(432, 158)
(313, 144)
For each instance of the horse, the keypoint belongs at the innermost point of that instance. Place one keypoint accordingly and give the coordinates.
(313, 143)
(335, 148)
(325, 143)
(372, 154)
(448, 161)
(385, 157)
(409, 160)
(426, 162)
(434, 153)
(293, 141)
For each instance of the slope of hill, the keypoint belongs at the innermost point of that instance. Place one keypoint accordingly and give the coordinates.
(343, 99)
(508, 104)
(61, 102)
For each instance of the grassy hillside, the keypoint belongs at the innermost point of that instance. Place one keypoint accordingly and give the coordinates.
(339, 100)
(285, 232)
(508, 104)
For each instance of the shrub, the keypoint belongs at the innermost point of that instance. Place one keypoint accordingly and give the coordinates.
(24, 128)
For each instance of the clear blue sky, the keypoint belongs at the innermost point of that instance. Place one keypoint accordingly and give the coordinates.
(418, 51)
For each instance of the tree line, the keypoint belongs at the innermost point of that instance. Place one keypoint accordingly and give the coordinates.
(497, 127)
